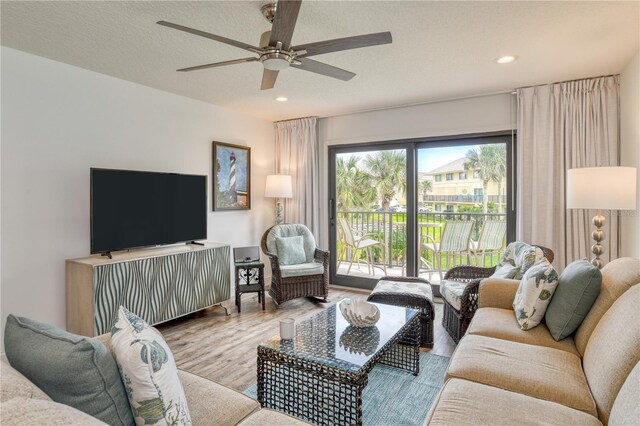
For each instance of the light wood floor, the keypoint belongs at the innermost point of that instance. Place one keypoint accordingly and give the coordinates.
(223, 348)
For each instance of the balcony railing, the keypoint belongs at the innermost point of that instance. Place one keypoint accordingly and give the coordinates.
(390, 228)
(476, 199)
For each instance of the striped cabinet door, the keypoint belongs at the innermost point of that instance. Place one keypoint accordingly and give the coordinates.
(161, 288)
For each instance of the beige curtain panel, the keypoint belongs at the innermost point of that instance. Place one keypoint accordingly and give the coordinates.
(564, 126)
(297, 156)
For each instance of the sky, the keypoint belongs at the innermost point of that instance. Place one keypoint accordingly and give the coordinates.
(430, 158)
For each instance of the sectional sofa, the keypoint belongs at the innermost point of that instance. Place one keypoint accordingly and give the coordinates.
(22, 403)
(500, 374)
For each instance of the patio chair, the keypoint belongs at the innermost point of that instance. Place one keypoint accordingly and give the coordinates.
(454, 240)
(298, 268)
(461, 283)
(491, 239)
(358, 243)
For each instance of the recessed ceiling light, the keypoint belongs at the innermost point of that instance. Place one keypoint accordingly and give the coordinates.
(506, 59)
(281, 99)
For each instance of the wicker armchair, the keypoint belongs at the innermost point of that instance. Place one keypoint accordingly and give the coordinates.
(456, 321)
(309, 279)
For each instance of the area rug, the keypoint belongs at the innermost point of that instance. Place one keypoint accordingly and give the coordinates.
(396, 397)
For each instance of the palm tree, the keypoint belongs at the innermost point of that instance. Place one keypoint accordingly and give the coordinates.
(353, 185)
(387, 169)
(490, 163)
(425, 186)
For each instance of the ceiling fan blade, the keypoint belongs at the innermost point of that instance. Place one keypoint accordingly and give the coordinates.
(268, 79)
(221, 39)
(219, 64)
(284, 22)
(347, 43)
(324, 69)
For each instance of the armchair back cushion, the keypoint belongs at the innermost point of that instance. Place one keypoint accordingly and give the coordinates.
(291, 250)
(292, 230)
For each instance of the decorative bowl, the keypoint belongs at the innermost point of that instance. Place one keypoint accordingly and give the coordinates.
(359, 313)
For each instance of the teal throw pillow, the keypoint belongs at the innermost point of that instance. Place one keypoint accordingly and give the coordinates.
(291, 250)
(73, 370)
(577, 290)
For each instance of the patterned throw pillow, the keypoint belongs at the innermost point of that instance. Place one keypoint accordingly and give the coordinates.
(291, 250)
(149, 372)
(519, 255)
(534, 293)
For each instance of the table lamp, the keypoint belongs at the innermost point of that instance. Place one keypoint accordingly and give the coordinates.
(601, 188)
(278, 186)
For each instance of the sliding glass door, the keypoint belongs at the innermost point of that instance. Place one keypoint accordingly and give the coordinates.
(418, 208)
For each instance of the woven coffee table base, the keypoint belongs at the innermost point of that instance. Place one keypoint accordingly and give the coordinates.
(327, 395)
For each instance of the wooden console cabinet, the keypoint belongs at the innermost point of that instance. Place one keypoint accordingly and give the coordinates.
(156, 284)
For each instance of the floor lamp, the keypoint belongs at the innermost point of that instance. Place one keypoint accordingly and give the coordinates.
(278, 186)
(601, 188)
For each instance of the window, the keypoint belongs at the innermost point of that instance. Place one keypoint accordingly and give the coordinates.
(462, 176)
(449, 176)
(476, 174)
(449, 207)
(477, 195)
(438, 208)
(438, 178)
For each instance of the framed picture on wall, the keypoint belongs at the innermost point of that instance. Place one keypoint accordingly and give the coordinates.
(231, 177)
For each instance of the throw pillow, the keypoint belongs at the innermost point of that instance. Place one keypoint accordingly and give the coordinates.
(291, 250)
(149, 372)
(506, 271)
(578, 288)
(520, 255)
(73, 370)
(534, 293)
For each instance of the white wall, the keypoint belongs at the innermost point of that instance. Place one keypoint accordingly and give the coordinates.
(630, 150)
(465, 116)
(57, 122)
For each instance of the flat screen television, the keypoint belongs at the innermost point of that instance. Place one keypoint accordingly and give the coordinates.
(131, 209)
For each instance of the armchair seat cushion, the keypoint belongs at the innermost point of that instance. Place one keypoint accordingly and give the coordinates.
(302, 269)
(501, 324)
(452, 292)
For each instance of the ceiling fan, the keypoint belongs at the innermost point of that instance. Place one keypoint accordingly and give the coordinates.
(276, 52)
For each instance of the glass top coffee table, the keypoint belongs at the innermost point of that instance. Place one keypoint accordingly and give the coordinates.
(320, 374)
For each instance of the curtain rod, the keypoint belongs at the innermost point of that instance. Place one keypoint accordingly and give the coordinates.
(569, 81)
(459, 98)
(435, 101)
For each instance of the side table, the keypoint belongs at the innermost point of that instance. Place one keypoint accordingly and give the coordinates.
(249, 279)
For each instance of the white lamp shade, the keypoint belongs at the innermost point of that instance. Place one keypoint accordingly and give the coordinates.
(278, 186)
(604, 188)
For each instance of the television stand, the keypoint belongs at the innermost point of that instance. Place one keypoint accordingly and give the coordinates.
(195, 243)
(160, 284)
(108, 254)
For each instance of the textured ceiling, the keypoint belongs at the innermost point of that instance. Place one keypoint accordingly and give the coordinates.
(440, 49)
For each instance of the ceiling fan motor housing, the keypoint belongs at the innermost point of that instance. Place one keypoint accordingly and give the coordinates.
(273, 58)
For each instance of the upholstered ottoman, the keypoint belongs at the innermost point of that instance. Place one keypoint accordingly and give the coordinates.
(410, 293)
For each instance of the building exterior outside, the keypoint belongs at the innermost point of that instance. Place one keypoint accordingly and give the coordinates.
(453, 187)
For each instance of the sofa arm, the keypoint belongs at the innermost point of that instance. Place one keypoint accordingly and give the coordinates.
(213, 404)
(497, 293)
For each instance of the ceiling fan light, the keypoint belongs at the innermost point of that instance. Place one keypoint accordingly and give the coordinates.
(275, 64)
